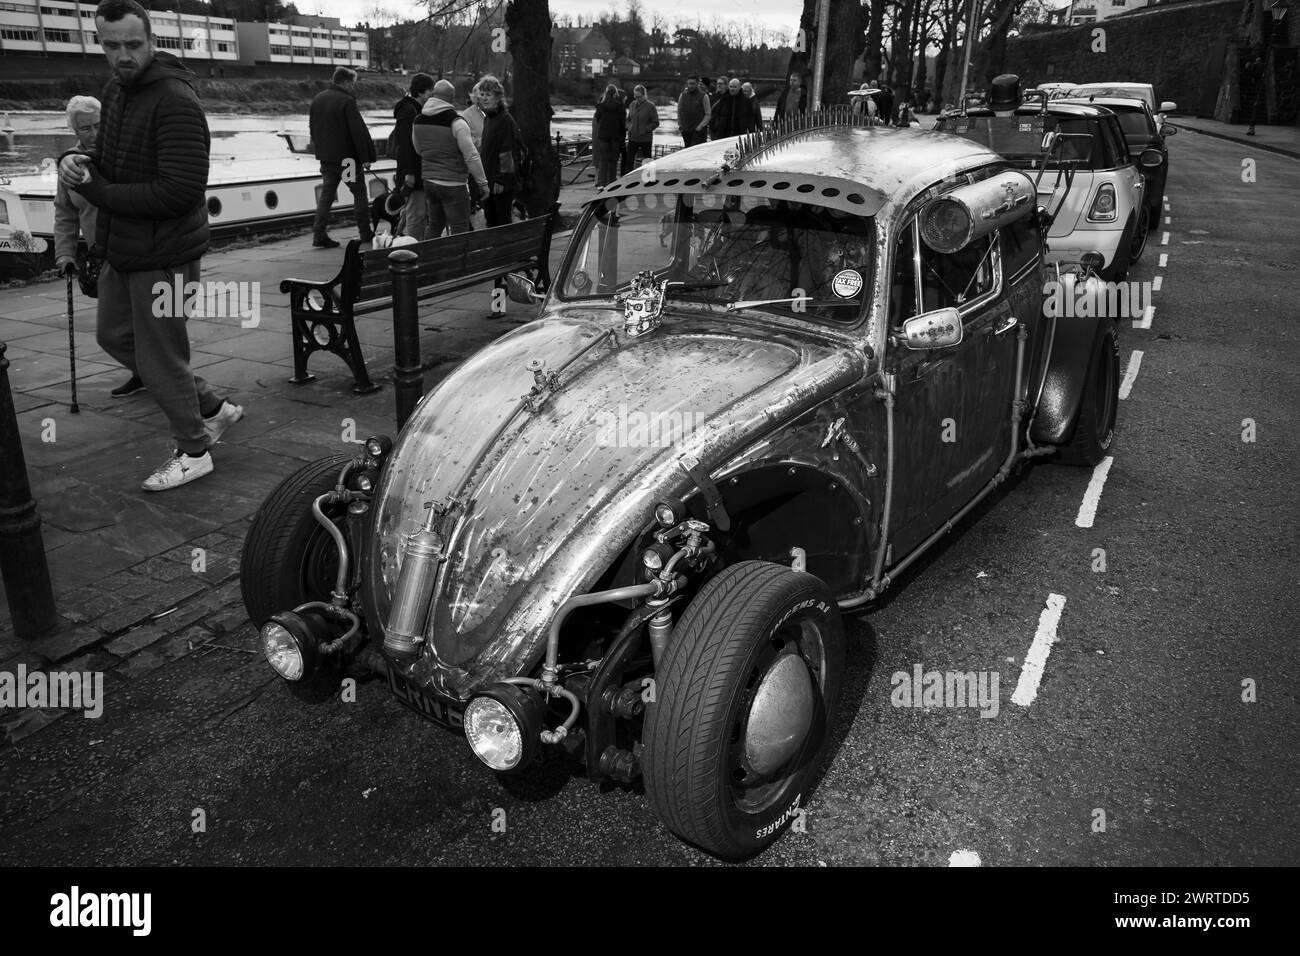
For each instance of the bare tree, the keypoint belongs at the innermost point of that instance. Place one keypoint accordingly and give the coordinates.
(528, 31)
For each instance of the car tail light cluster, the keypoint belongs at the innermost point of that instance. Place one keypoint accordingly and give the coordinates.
(1103, 205)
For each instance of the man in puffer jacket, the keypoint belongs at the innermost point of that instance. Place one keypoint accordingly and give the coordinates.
(148, 177)
(447, 158)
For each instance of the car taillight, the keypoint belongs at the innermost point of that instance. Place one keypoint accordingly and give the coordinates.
(1103, 205)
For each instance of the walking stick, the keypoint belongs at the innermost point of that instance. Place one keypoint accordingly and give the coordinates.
(72, 348)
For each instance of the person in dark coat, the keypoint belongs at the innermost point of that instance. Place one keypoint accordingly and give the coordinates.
(414, 211)
(718, 123)
(793, 99)
(642, 121)
(501, 152)
(608, 131)
(147, 175)
(734, 113)
(344, 147)
(693, 113)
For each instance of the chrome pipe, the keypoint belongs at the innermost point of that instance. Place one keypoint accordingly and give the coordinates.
(340, 594)
(553, 690)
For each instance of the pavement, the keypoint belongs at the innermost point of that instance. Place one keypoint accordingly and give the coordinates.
(1274, 139)
(141, 578)
(1162, 731)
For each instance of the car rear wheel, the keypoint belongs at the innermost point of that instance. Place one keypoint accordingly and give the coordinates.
(1143, 230)
(289, 559)
(1094, 432)
(743, 705)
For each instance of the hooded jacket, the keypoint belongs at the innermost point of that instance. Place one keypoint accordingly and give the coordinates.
(149, 170)
(405, 111)
(442, 138)
(337, 130)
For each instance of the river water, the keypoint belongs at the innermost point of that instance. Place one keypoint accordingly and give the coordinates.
(27, 138)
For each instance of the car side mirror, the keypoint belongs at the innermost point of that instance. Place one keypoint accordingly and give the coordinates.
(1168, 129)
(1151, 158)
(933, 330)
(1168, 106)
(522, 289)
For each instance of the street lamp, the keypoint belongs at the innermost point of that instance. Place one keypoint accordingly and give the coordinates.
(1277, 10)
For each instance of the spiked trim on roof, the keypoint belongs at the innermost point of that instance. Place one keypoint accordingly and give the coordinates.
(785, 130)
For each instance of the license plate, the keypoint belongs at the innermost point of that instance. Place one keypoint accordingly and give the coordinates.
(441, 711)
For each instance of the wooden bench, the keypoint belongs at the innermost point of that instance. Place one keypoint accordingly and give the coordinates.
(323, 314)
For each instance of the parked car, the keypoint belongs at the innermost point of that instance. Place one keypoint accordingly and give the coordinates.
(1083, 172)
(1142, 133)
(1141, 91)
(770, 375)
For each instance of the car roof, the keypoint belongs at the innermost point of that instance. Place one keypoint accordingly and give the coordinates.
(1098, 85)
(1054, 108)
(1111, 102)
(877, 164)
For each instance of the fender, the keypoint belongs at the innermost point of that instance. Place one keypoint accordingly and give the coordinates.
(1067, 369)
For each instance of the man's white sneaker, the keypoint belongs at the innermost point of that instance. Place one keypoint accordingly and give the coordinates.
(225, 416)
(178, 470)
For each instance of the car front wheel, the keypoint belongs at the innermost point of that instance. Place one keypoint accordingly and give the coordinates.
(742, 708)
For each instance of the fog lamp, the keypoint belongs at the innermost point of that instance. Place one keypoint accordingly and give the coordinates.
(365, 483)
(289, 645)
(503, 725)
(379, 446)
(1092, 261)
(656, 556)
(670, 513)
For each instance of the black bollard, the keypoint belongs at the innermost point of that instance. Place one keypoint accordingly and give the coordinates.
(408, 372)
(22, 551)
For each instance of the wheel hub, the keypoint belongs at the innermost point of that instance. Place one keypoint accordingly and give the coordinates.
(780, 715)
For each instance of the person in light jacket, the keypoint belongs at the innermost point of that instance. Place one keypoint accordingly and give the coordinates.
(447, 157)
(642, 121)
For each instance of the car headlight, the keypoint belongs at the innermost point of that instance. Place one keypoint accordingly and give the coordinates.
(503, 726)
(289, 646)
(670, 513)
(379, 446)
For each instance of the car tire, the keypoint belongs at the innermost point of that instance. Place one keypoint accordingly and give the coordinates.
(1117, 271)
(288, 558)
(1094, 430)
(1142, 231)
(721, 772)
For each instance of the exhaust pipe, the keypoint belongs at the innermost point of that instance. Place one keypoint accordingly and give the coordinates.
(422, 553)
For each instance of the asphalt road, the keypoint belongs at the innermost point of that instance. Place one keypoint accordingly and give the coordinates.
(1139, 714)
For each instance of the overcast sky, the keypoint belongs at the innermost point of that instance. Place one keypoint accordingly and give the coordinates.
(780, 15)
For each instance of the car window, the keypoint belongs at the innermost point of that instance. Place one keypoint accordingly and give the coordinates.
(727, 248)
(902, 287)
(957, 279)
(1115, 144)
(1135, 123)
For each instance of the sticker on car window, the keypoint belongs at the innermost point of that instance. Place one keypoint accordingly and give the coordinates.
(847, 283)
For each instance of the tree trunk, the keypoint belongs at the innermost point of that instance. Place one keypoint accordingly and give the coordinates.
(528, 30)
(843, 45)
(875, 30)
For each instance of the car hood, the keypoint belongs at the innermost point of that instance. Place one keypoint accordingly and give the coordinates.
(551, 496)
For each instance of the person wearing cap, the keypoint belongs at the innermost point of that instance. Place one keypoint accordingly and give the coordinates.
(447, 157)
(412, 218)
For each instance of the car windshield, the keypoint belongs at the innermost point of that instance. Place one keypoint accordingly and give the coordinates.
(726, 249)
(1133, 122)
(1020, 138)
(1136, 92)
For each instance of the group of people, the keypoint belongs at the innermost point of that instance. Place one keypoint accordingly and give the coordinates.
(733, 110)
(449, 161)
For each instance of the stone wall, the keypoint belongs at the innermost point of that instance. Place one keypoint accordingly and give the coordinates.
(1178, 47)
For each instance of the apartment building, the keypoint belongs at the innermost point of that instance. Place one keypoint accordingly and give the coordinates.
(59, 28)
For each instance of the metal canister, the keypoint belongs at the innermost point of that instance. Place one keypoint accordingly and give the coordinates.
(422, 552)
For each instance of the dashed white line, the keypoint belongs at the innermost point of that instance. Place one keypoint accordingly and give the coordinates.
(1157, 283)
(1130, 374)
(964, 858)
(1164, 259)
(1148, 314)
(1164, 240)
(1166, 220)
(1031, 673)
(1091, 497)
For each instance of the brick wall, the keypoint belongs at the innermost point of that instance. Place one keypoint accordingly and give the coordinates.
(1179, 48)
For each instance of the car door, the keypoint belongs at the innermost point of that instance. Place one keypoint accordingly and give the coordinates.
(952, 405)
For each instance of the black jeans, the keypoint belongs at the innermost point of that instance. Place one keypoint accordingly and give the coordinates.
(694, 137)
(332, 174)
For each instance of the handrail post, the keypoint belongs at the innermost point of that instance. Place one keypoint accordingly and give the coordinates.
(22, 550)
(408, 371)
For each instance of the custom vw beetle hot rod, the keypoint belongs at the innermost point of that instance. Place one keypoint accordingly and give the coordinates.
(770, 374)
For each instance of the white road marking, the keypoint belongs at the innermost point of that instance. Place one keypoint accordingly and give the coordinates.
(1031, 673)
(1166, 220)
(1091, 497)
(1164, 259)
(1164, 240)
(1157, 283)
(1130, 374)
(964, 858)
(1148, 314)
